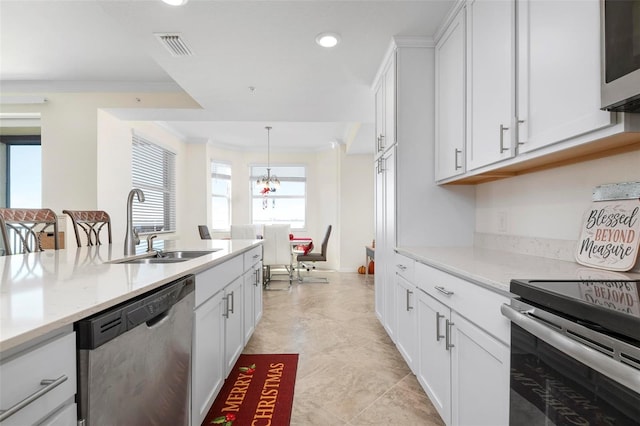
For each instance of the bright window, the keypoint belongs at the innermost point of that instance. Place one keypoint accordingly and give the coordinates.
(287, 204)
(20, 172)
(153, 170)
(221, 196)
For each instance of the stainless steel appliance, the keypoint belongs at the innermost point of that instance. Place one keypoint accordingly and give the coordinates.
(575, 352)
(134, 360)
(620, 51)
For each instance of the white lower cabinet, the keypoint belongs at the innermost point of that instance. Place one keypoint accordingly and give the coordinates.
(228, 307)
(406, 318)
(479, 376)
(46, 371)
(434, 360)
(234, 332)
(462, 365)
(208, 355)
(406, 334)
(252, 300)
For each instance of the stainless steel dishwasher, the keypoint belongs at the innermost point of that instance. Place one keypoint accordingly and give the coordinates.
(134, 360)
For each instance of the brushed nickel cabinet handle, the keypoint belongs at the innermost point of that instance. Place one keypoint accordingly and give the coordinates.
(438, 335)
(444, 291)
(502, 148)
(409, 293)
(447, 341)
(458, 152)
(49, 385)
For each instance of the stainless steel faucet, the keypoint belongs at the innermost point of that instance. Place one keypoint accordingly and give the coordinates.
(131, 238)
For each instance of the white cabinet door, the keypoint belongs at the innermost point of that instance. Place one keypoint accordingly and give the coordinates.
(558, 72)
(22, 375)
(249, 324)
(234, 332)
(490, 74)
(208, 355)
(379, 105)
(479, 376)
(378, 277)
(450, 100)
(407, 333)
(434, 361)
(257, 293)
(390, 104)
(389, 226)
(252, 289)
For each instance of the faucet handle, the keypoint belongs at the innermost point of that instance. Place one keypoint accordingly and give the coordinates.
(150, 239)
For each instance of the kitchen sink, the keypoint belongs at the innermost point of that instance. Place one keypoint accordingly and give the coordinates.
(152, 260)
(172, 256)
(183, 254)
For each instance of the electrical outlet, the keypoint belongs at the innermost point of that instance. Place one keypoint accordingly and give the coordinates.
(502, 221)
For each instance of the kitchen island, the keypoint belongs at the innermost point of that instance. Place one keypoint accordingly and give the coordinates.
(44, 294)
(41, 292)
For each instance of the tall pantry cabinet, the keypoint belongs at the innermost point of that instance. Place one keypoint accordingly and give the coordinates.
(411, 210)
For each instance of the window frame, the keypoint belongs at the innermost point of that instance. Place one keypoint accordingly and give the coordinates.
(168, 190)
(227, 197)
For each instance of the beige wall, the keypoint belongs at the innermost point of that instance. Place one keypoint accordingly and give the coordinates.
(550, 203)
(69, 140)
(86, 165)
(339, 193)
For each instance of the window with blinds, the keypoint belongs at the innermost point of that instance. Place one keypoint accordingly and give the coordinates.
(153, 170)
(221, 196)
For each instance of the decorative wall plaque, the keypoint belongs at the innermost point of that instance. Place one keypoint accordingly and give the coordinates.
(610, 235)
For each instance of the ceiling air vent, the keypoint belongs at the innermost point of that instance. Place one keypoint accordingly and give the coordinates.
(174, 44)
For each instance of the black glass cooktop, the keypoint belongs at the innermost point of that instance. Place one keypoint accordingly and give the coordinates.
(608, 306)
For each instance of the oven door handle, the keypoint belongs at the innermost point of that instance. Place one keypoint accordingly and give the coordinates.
(623, 374)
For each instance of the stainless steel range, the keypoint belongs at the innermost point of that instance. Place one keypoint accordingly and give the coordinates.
(575, 352)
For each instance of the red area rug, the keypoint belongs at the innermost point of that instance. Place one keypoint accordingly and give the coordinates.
(258, 391)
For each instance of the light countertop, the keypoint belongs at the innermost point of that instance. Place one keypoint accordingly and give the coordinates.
(494, 269)
(41, 292)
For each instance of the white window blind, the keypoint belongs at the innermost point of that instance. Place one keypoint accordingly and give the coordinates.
(153, 170)
(221, 196)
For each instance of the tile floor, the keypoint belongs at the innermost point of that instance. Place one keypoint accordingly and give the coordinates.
(349, 371)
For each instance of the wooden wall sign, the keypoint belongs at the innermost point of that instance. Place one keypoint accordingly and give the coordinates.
(610, 235)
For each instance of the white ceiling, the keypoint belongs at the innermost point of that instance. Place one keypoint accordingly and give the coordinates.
(310, 95)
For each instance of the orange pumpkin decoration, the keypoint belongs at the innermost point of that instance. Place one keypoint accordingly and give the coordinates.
(371, 268)
(362, 270)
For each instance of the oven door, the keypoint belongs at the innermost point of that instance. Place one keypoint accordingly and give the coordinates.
(586, 379)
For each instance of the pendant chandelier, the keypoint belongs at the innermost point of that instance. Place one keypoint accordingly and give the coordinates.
(268, 183)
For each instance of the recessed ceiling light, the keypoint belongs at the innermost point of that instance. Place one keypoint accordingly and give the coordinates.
(176, 2)
(327, 40)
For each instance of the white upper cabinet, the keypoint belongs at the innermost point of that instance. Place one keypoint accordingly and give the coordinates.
(558, 72)
(532, 96)
(490, 76)
(450, 99)
(385, 103)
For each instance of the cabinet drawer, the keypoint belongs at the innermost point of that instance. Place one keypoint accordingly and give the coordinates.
(479, 305)
(23, 375)
(213, 280)
(404, 267)
(252, 257)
